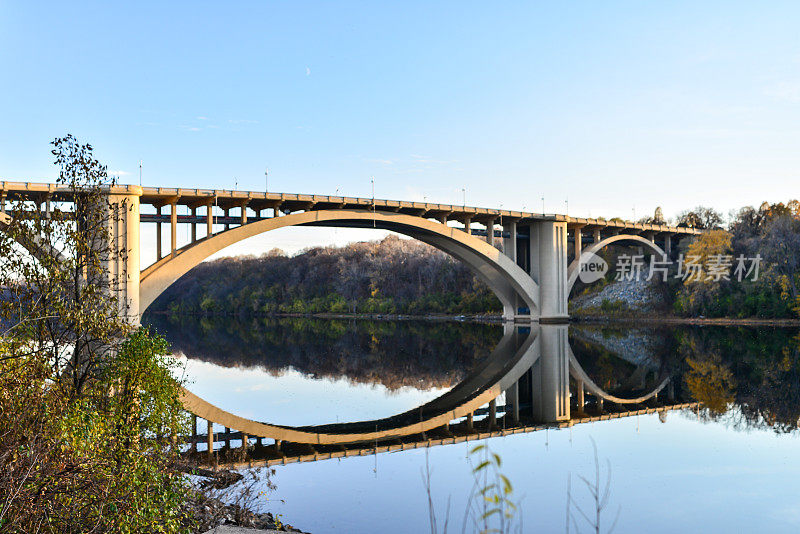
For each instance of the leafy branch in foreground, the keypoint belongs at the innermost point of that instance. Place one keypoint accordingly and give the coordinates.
(490, 508)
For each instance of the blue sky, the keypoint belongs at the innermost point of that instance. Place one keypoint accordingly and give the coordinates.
(615, 106)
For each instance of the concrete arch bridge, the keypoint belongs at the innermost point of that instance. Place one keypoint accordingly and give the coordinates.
(530, 260)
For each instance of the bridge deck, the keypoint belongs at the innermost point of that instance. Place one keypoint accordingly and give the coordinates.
(257, 201)
(270, 455)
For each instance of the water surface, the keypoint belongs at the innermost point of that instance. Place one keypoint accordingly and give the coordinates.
(728, 466)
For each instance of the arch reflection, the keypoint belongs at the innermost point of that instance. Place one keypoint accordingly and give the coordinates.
(531, 380)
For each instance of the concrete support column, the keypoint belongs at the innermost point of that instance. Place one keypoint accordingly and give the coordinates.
(533, 252)
(512, 402)
(210, 439)
(581, 400)
(490, 232)
(668, 245)
(3, 201)
(194, 225)
(470, 421)
(244, 213)
(124, 268)
(227, 215)
(510, 243)
(227, 438)
(550, 376)
(553, 270)
(158, 235)
(578, 243)
(173, 223)
(596, 235)
(194, 433)
(209, 219)
(492, 419)
(443, 219)
(245, 442)
(467, 223)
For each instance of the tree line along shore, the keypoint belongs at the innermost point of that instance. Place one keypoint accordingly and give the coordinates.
(396, 276)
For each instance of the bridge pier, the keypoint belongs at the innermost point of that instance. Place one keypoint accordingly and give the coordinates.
(552, 271)
(550, 376)
(124, 267)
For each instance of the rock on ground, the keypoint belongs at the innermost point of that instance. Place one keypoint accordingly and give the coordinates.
(636, 294)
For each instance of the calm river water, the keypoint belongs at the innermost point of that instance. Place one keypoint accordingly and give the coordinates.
(730, 466)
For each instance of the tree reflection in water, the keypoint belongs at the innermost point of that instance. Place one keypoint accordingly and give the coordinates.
(395, 354)
(747, 377)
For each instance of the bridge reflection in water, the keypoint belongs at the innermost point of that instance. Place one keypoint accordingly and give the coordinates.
(532, 370)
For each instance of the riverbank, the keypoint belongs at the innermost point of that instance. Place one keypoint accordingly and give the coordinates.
(673, 320)
(487, 318)
(227, 498)
(644, 317)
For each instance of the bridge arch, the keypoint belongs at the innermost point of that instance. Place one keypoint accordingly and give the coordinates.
(512, 285)
(578, 373)
(510, 359)
(513, 356)
(574, 268)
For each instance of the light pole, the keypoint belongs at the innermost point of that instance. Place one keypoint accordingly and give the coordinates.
(542, 205)
(266, 180)
(464, 196)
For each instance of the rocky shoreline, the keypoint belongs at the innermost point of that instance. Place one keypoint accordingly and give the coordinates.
(204, 512)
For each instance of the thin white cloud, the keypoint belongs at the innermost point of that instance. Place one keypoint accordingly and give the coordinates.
(254, 387)
(118, 173)
(308, 71)
(378, 160)
(201, 118)
(242, 121)
(785, 91)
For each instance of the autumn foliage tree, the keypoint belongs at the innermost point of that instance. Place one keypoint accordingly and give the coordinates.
(88, 404)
